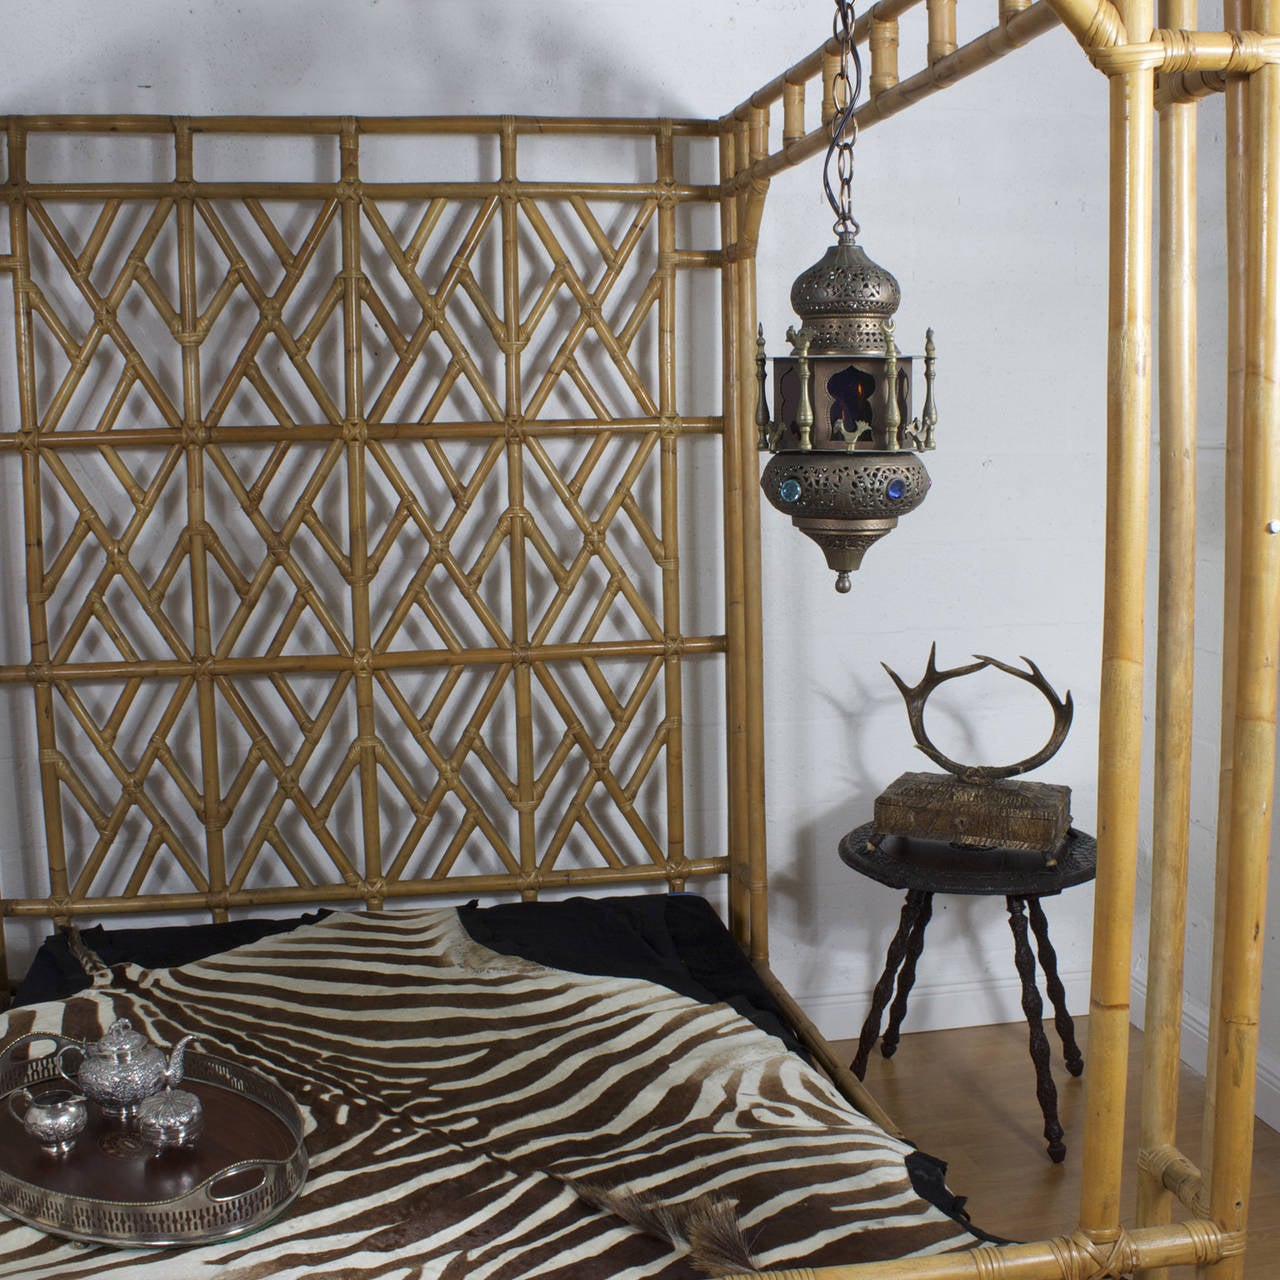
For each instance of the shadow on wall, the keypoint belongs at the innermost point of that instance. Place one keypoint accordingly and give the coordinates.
(848, 920)
(324, 57)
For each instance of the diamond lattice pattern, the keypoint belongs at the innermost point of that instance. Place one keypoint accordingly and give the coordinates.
(351, 489)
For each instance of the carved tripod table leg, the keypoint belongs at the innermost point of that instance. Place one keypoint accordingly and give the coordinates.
(909, 925)
(1033, 1008)
(907, 974)
(1071, 1054)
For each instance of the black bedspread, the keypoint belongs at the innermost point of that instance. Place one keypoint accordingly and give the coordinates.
(675, 939)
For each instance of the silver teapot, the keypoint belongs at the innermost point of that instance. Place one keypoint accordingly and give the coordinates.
(123, 1068)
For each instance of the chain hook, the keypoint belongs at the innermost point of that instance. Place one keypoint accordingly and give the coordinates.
(844, 128)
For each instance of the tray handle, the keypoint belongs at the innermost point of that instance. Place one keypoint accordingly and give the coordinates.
(59, 1041)
(263, 1167)
(32, 1070)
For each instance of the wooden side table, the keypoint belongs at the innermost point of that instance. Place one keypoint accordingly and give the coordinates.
(926, 867)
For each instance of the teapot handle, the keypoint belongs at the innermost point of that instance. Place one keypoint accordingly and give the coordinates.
(62, 1071)
(20, 1095)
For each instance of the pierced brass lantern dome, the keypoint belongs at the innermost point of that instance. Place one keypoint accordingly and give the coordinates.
(844, 298)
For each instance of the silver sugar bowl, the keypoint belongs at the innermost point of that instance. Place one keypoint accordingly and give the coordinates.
(53, 1118)
(170, 1118)
(123, 1068)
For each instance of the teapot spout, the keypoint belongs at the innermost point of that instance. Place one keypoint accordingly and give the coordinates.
(172, 1073)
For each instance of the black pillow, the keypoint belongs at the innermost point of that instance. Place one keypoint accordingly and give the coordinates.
(55, 973)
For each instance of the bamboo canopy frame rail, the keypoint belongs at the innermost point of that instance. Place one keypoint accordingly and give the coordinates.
(1168, 69)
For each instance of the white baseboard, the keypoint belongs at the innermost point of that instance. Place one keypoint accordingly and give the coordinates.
(1195, 1052)
(935, 1006)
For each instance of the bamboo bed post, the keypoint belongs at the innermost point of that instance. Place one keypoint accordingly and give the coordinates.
(1254, 743)
(1120, 701)
(756, 138)
(733, 444)
(1175, 653)
(1233, 12)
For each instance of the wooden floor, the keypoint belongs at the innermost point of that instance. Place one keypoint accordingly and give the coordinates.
(968, 1097)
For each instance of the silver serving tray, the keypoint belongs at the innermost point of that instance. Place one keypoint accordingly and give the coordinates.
(111, 1189)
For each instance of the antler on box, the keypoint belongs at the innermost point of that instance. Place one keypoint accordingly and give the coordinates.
(915, 696)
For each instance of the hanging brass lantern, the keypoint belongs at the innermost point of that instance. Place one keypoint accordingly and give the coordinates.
(842, 435)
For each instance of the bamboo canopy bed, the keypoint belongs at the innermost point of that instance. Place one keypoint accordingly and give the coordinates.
(554, 751)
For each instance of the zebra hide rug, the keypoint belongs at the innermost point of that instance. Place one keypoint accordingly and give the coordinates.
(473, 1116)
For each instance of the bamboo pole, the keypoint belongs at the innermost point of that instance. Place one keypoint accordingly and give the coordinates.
(366, 746)
(304, 191)
(517, 532)
(1178, 1175)
(1188, 86)
(1097, 24)
(883, 46)
(1254, 744)
(673, 675)
(193, 431)
(1233, 533)
(399, 659)
(161, 437)
(1175, 653)
(1072, 1257)
(981, 52)
(356, 891)
(1120, 701)
(758, 884)
(942, 29)
(735, 605)
(1067, 1257)
(822, 61)
(792, 113)
(830, 70)
(36, 589)
(1177, 52)
(751, 211)
(644, 126)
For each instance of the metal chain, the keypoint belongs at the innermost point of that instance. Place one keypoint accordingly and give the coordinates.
(844, 128)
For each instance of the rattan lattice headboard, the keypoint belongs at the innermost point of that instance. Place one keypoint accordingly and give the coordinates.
(353, 511)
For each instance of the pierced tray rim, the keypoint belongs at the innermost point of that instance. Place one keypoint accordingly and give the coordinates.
(57, 1213)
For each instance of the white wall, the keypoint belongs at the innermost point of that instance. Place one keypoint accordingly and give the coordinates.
(988, 203)
(992, 215)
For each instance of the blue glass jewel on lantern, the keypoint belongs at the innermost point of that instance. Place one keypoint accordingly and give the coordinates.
(896, 488)
(789, 490)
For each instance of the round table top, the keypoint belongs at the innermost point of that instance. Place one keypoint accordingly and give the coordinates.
(938, 867)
